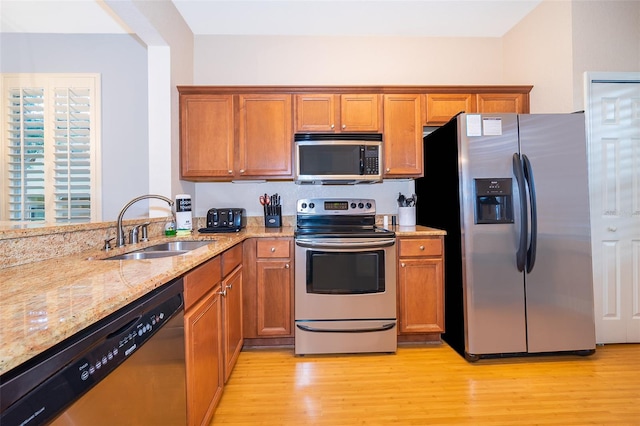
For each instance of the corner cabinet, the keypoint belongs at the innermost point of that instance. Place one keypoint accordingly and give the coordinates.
(203, 341)
(421, 287)
(268, 296)
(441, 107)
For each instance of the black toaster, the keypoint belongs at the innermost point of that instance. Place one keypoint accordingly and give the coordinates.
(225, 220)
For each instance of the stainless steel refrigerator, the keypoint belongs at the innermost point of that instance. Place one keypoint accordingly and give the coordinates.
(512, 193)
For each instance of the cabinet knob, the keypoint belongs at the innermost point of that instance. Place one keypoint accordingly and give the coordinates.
(286, 266)
(612, 229)
(230, 172)
(388, 169)
(344, 126)
(273, 249)
(241, 170)
(333, 126)
(230, 286)
(421, 247)
(402, 264)
(223, 293)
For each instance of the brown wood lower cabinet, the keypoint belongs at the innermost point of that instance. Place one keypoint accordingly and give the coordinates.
(203, 343)
(420, 287)
(231, 290)
(268, 295)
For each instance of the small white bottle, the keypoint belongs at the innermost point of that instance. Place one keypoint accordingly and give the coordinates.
(183, 213)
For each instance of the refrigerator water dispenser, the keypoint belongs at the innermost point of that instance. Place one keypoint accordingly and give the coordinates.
(494, 201)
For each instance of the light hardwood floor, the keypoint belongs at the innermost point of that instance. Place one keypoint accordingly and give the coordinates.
(431, 385)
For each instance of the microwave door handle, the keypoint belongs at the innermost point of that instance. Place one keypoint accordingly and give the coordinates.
(362, 154)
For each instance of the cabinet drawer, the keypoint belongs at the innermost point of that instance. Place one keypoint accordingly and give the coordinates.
(231, 258)
(273, 248)
(420, 247)
(200, 280)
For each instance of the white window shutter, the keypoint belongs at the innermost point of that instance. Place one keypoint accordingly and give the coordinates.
(53, 148)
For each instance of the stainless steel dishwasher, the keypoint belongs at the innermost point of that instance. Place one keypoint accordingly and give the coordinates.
(127, 369)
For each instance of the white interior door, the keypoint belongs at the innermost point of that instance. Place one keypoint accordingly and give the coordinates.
(613, 116)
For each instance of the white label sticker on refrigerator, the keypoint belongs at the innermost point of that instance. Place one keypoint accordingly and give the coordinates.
(492, 126)
(474, 125)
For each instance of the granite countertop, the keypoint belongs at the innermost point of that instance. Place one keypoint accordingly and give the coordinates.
(43, 303)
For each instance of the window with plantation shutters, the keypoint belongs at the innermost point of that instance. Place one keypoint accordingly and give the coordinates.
(51, 148)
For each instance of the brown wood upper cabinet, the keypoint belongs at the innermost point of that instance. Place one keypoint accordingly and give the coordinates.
(402, 135)
(330, 113)
(441, 107)
(245, 136)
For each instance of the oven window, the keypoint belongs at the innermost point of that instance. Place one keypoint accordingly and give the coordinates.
(346, 272)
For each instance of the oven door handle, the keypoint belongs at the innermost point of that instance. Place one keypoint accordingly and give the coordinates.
(383, 327)
(345, 243)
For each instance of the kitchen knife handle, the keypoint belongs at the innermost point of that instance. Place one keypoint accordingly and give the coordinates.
(521, 254)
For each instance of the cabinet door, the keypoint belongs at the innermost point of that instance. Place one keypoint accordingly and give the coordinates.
(501, 102)
(420, 287)
(315, 113)
(265, 136)
(232, 314)
(441, 107)
(203, 358)
(402, 135)
(360, 113)
(273, 304)
(206, 136)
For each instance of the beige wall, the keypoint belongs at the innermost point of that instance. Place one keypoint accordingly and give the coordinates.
(560, 40)
(347, 60)
(606, 38)
(538, 50)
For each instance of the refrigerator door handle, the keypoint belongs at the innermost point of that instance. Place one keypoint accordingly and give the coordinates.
(531, 252)
(521, 254)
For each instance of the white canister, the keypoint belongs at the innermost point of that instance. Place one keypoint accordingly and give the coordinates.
(406, 216)
(183, 212)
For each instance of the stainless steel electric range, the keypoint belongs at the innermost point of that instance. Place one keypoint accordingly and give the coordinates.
(345, 278)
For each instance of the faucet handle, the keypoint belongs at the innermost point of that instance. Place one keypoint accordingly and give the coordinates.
(107, 246)
(144, 231)
(133, 234)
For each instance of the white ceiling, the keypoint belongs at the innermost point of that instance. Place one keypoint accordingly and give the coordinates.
(425, 18)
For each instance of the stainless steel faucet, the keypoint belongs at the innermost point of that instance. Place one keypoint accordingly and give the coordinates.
(120, 230)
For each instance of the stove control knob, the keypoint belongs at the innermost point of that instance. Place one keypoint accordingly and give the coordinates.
(311, 205)
(368, 205)
(303, 205)
(360, 205)
(353, 205)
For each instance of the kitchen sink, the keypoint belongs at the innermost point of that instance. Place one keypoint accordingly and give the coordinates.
(172, 248)
(177, 246)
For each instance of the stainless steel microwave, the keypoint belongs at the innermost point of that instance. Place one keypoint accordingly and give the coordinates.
(340, 158)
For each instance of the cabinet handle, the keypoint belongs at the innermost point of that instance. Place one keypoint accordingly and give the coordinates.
(223, 293)
(286, 266)
(402, 264)
(421, 247)
(612, 229)
(273, 249)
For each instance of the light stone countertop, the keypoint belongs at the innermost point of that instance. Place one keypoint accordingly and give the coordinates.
(43, 303)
